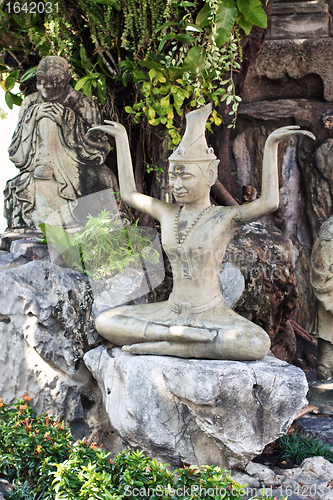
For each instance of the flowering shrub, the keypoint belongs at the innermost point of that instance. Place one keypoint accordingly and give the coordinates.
(28, 445)
(38, 456)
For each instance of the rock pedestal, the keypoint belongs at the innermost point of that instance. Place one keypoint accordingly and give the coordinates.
(199, 411)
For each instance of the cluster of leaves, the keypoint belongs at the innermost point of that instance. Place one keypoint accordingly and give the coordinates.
(27, 443)
(38, 456)
(297, 447)
(102, 248)
(168, 88)
(177, 54)
(194, 55)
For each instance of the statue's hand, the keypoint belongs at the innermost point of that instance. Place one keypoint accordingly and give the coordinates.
(54, 111)
(285, 132)
(117, 130)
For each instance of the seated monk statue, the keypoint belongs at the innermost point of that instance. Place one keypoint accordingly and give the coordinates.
(58, 163)
(195, 321)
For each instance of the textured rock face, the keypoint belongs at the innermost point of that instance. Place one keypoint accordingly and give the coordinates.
(45, 329)
(299, 19)
(265, 258)
(301, 65)
(312, 479)
(200, 411)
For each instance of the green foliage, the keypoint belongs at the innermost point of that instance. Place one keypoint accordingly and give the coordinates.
(179, 55)
(102, 248)
(37, 455)
(26, 444)
(169, 83)
(297, 447)
(153, 168)
(93, 78)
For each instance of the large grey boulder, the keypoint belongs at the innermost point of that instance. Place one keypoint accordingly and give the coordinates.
(45, 328)
(200, 411)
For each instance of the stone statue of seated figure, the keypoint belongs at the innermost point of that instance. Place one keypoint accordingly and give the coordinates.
(195, 322)
(57, 162)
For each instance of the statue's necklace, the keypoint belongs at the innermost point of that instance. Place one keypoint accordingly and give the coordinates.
(180, 240)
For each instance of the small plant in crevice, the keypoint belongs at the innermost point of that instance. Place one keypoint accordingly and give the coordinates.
(102, 248)
(297, 447)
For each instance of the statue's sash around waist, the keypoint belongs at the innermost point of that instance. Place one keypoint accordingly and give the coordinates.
(186, 309)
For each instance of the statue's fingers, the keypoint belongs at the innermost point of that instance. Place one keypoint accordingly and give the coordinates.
(109, 122)
(93, 129)
(58, 107)
(283, 130)
(291, 133)
(308, 133)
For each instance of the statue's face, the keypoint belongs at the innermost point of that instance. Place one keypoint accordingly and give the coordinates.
(52, 82)
(187, 182)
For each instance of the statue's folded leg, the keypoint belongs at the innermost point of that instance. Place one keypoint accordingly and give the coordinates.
(229, 344)
(123, 329)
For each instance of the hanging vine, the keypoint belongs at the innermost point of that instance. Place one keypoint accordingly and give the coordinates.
(177, 55)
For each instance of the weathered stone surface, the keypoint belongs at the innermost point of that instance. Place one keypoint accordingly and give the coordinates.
(316, 471)
(321, 395)
(44, 321)
(270, 111)
(29, 249)
(299, 19)
(307, 62)
(200, 411)
(118, 290)
(318, 426)
(306, 184)
(312, 479)
(8, 261)
(265, 258)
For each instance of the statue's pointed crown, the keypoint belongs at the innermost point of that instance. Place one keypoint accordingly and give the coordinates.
(193, 146)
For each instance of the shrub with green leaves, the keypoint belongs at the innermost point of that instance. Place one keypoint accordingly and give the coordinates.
(27, 444)
(296, 447)
(38, 457)
(102, 248)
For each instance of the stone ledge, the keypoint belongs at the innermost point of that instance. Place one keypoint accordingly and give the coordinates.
(199, 411)
(293, 58)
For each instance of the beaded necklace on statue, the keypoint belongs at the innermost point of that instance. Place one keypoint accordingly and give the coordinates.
(180, 240)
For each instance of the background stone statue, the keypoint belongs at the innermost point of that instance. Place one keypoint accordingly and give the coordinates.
(322, 282)
(195, 321)
(58, 163)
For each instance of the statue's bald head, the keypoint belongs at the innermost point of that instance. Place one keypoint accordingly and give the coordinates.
(54, 64)
(53, 76)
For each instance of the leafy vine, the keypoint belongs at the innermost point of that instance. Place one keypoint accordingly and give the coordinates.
(177, 54)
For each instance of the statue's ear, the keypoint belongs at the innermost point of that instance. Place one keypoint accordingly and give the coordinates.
(212, 172)
(69, 75)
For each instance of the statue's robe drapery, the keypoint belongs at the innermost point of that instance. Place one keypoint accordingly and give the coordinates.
(321, 276)
(57, 163)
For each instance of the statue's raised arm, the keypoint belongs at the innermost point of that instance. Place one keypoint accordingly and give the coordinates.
(129, 194)
(269, 199)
